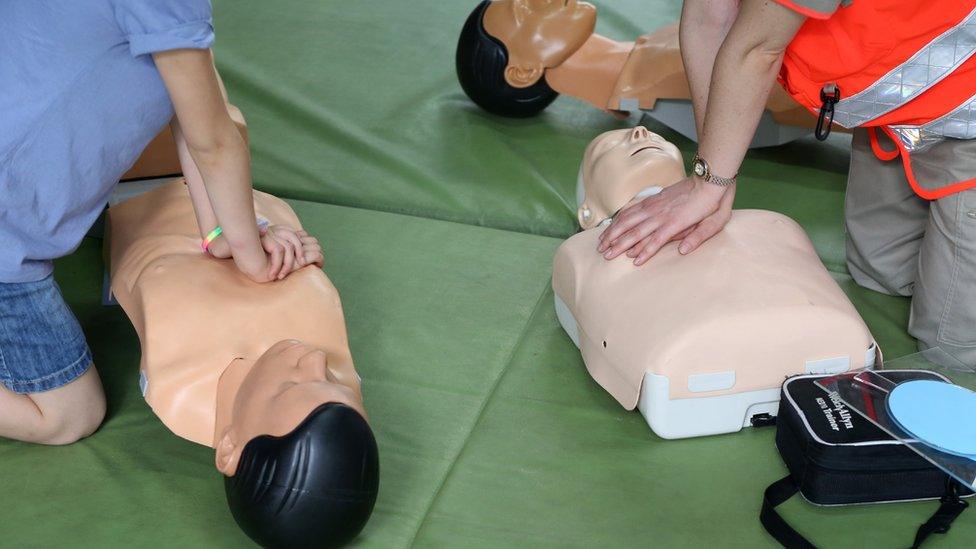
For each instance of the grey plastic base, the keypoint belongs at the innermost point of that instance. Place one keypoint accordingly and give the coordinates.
(677, 114)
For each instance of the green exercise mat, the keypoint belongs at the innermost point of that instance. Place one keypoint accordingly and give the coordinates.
(437, 221)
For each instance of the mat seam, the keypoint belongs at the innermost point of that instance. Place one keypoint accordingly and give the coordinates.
(479, 225)
(419, 215)
(481, 411)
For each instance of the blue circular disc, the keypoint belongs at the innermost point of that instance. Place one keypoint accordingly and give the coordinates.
(939, 414)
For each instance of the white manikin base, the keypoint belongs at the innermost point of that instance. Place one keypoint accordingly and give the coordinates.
(692, 417)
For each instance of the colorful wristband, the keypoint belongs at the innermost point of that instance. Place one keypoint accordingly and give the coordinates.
(210, 238)
(205, 245)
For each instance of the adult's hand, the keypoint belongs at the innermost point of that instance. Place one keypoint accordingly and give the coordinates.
(691, 211)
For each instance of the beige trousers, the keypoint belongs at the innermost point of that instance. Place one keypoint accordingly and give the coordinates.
(900, 244)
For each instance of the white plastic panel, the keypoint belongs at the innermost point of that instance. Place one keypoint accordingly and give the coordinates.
(717, 381)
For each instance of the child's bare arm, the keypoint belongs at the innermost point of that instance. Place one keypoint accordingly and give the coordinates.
(216, 155)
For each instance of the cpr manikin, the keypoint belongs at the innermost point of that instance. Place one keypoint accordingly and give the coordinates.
(699, 343)
(260, 372)
(515, 56)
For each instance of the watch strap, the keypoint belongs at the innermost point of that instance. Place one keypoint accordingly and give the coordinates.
(709, 177)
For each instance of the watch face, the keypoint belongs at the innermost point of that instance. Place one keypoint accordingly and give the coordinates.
(699, 169)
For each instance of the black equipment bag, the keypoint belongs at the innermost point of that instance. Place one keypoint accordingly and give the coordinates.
(837, 457)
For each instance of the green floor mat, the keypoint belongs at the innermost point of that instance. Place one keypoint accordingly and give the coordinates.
(437, 221)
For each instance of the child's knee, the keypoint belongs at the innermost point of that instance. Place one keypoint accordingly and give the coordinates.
(69, 425)
(70, 413)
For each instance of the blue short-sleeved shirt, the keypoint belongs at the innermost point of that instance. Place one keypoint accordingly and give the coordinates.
(80, 98)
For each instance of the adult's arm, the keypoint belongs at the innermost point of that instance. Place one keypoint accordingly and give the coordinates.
(744, 72)
(704, 26)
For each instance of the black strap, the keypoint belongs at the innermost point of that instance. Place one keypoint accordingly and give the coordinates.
(948, 511)
(778, 492)
(784, 488)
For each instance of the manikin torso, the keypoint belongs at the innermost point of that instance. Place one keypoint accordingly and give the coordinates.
(199, 318)
(752, 299)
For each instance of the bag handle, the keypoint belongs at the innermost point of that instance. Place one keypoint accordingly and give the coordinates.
(777, 493)
(784, 488)
(949, 510)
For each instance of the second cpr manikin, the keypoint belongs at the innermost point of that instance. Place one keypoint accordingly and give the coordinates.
(260, 372)
(701, 343)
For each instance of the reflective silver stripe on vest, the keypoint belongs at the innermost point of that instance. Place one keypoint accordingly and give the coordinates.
(905, 82)
(957, 124)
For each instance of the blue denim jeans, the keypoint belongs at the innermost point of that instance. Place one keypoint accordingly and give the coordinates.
(42, 346)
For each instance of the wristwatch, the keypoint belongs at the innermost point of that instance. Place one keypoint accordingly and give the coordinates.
(700, 167)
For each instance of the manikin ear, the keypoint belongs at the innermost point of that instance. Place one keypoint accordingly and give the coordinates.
(228, 453)
(523, 75)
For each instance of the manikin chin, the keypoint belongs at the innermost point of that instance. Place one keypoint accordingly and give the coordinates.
(260, 372)
(698, 343)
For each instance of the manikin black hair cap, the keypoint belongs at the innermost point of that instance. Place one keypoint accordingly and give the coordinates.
(314, 487)
(481, 62)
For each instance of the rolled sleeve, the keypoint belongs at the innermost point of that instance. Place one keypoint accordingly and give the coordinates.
(816, 9)
(153, 26)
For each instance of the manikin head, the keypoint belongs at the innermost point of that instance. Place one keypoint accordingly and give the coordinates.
(300, 460)
(621, 165)
(538, 34)
(506, 46)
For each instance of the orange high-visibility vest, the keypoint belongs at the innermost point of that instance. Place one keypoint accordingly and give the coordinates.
(907, 67)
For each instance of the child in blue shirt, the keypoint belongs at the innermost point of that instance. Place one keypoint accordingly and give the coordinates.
(84, 86)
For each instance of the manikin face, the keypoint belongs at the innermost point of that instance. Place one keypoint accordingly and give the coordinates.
(620, 164)
(538, 34)
(280, 390)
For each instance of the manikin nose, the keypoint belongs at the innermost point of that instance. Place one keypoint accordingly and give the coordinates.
(314, 367)
(638, 133)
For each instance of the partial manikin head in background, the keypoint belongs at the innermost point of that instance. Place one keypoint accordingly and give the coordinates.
(506, 46)
(539, 34)
(621, 165)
